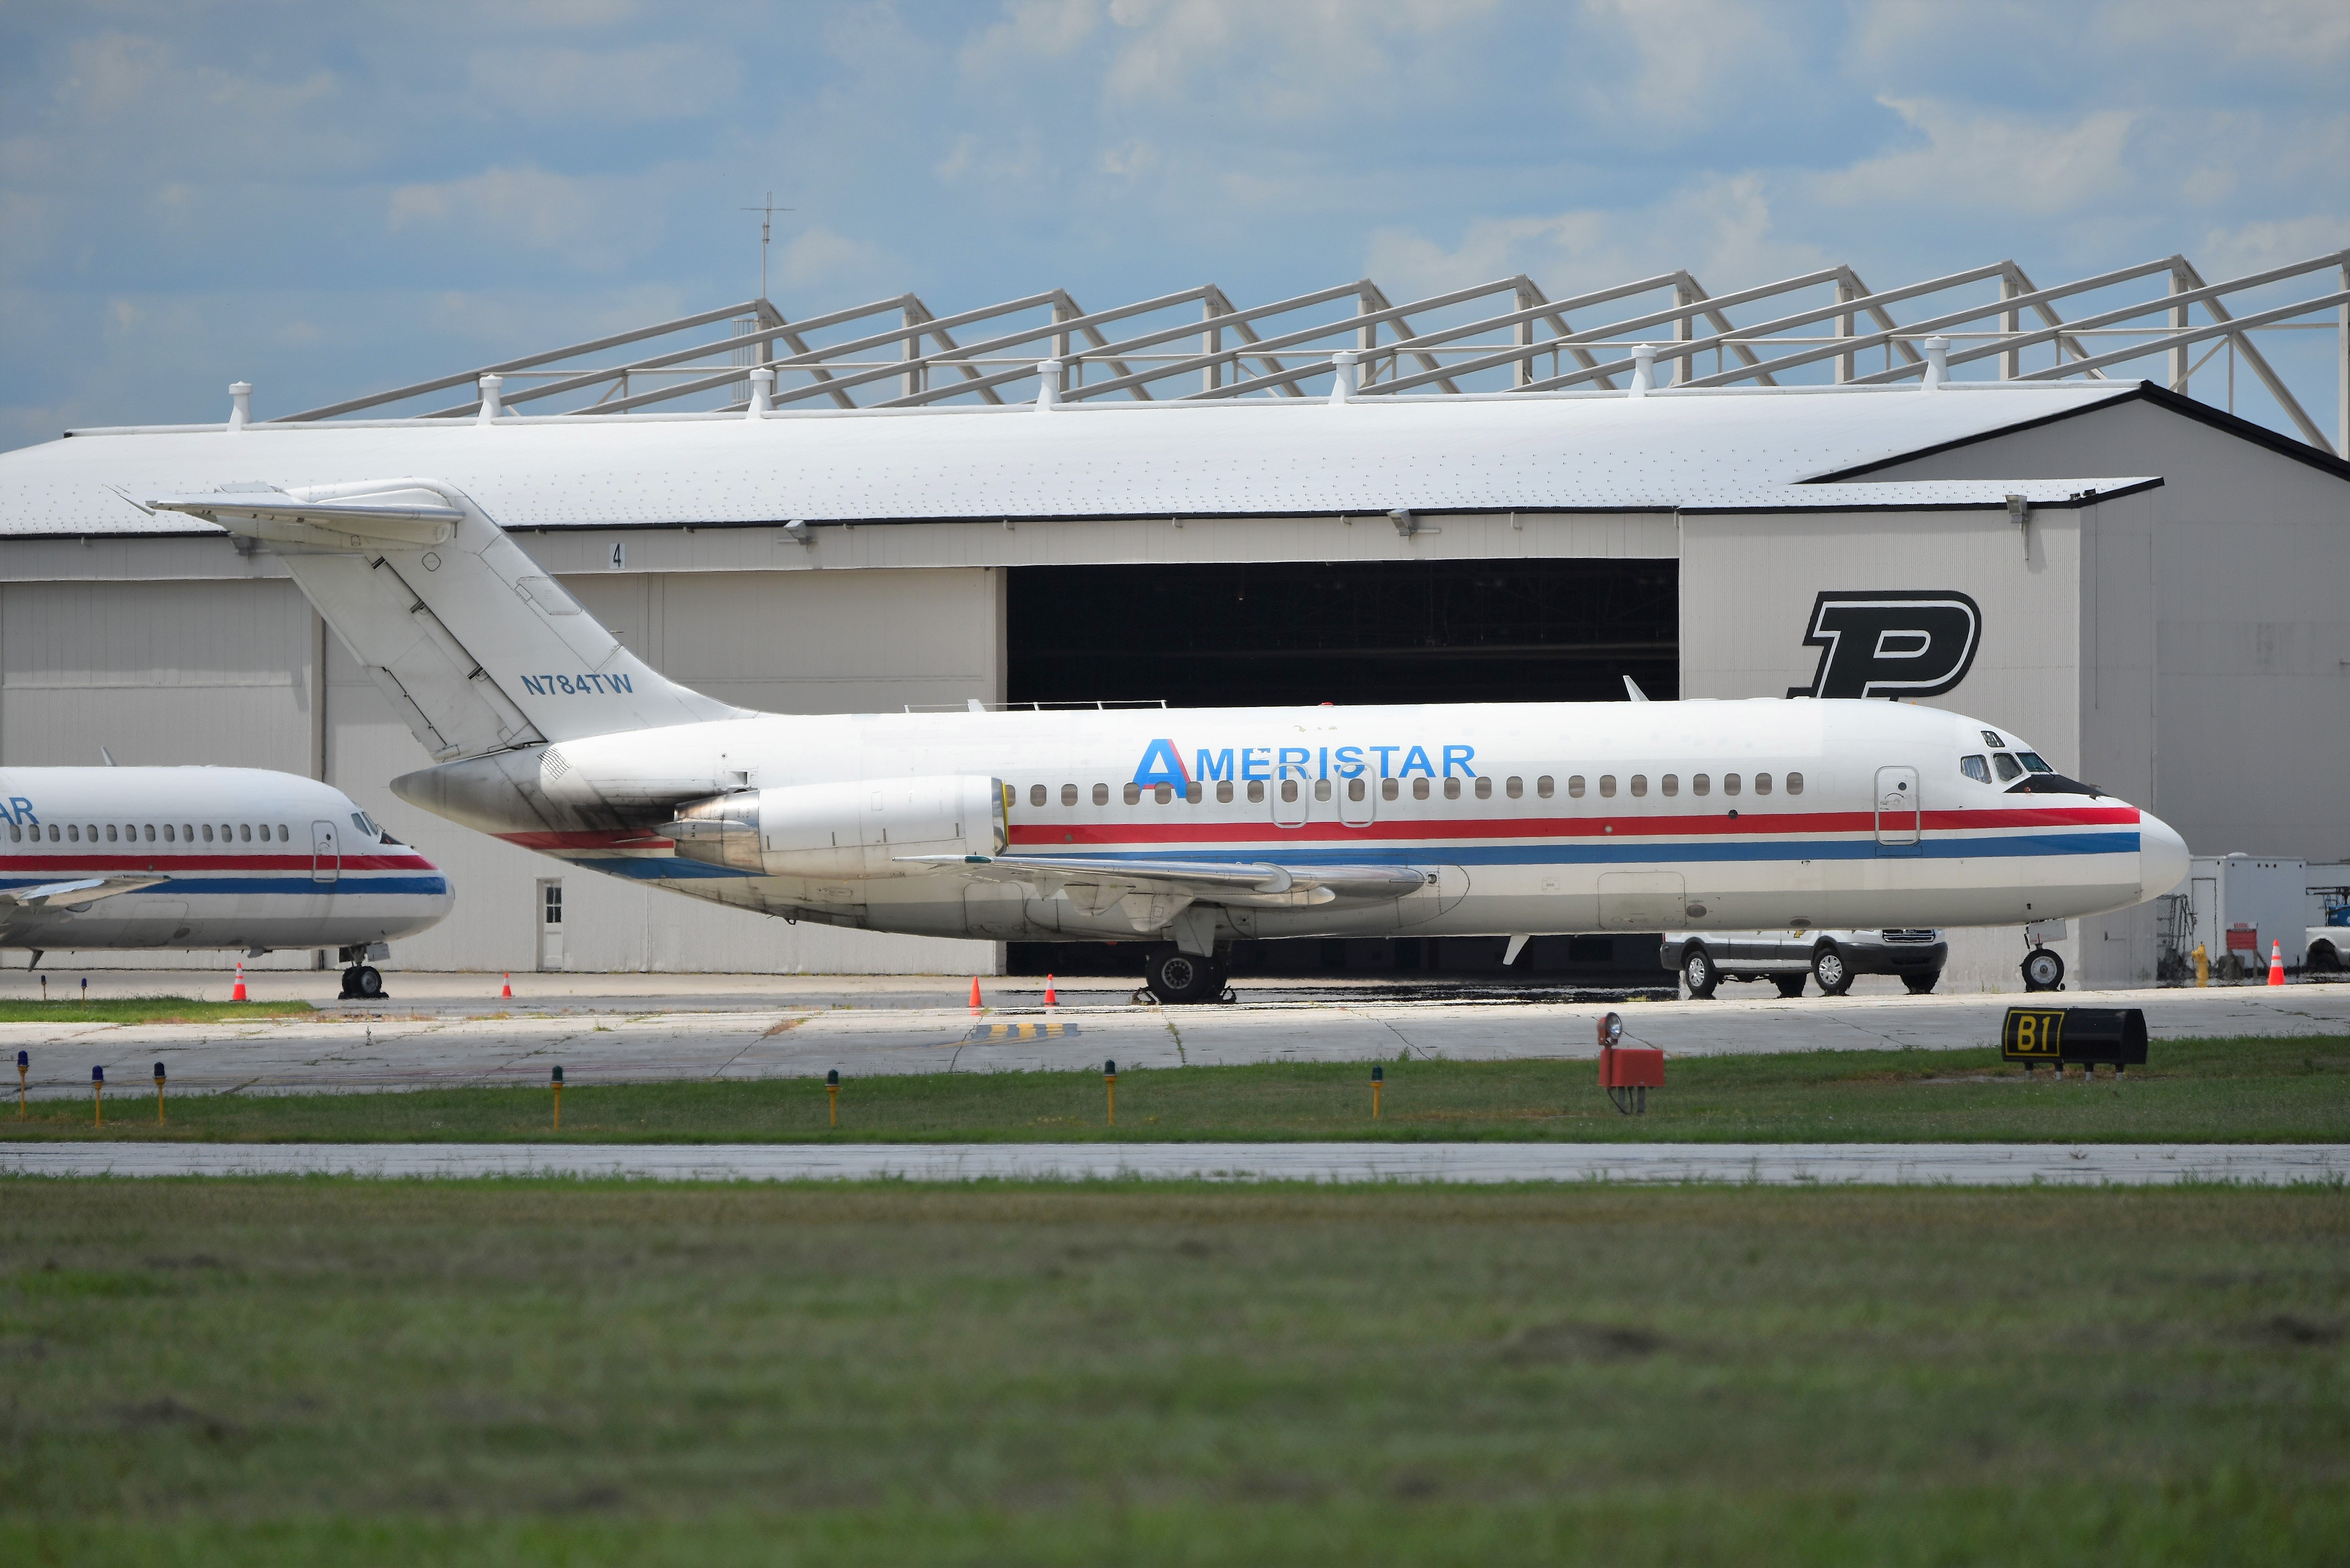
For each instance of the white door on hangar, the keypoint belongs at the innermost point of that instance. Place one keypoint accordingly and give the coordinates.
(550, 924)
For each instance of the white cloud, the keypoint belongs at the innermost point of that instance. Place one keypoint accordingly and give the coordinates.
(1130, 161)
(1284, 60)
(816, 256)
(2010, 164)
(2257, 246)
(1046, 29)
(657, 81)
(1691, 51)
(1719, 228)
(589, 222)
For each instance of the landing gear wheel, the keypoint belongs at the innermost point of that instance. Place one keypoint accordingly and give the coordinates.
(1699, 974)
(2043, 970)
(361, 982)
(1922, 984)
(1790, 985)
(1828, 967)
(1177, 978)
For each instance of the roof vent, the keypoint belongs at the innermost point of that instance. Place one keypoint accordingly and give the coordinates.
(1342, 385)
(490, 407)
(1644, 369)
(1937, 363)
(1049, 385)
(240, 404)
(762, 381)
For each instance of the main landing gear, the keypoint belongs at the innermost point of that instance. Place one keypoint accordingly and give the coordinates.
(1177, 978)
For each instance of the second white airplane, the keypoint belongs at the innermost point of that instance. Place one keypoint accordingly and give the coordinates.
(1188, 829)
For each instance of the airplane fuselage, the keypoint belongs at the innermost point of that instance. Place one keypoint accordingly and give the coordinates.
(199, 857)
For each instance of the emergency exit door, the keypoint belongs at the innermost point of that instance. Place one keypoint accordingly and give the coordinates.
(1899, 816)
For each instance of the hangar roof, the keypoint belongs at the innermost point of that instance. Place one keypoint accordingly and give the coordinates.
(1691, 449)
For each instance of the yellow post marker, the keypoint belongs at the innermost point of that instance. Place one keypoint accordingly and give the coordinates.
(1378, 1075)
(1110, 1077)
(832, 1094)
(24, 1065)
(558, 1085)
(97, 1096)
(2202, 965)
(159, 1093)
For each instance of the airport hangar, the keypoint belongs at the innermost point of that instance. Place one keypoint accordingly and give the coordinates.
(1329, 498)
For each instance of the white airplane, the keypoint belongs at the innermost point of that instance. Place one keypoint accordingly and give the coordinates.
(204, 858)
(1180, 829)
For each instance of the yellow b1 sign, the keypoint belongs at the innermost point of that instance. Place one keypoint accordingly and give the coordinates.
(2033, 1034)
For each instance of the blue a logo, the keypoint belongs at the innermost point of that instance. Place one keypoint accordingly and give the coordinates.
(1161, 765)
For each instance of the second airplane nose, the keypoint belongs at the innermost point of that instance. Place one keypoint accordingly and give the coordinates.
(2161, 856)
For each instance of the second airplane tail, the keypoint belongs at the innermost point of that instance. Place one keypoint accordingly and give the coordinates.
(475, 646)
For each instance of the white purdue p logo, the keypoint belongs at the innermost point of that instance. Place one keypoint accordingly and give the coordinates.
(1891, 644)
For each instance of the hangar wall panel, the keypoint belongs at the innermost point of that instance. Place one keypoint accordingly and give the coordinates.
(2251, 552)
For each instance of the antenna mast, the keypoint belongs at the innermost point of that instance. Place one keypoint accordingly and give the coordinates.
(766, 224)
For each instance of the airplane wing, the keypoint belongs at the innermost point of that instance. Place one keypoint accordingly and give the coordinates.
(1253, 884)
(76, 894)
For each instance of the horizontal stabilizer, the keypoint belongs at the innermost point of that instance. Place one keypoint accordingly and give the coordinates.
(474, 646)
(1254, 884)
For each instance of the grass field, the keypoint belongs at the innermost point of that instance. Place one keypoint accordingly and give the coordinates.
(2270, 1090)
(265, 1371)
(143, 1010)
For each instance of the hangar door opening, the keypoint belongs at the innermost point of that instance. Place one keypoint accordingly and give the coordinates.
(1258, 635)
(1262, 634)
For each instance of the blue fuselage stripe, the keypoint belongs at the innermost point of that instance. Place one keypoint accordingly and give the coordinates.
(292, 885)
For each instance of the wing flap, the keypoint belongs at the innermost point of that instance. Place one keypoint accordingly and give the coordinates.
(1261, 884)
(76, 894)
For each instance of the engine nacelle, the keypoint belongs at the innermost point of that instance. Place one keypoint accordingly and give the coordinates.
(859, 829)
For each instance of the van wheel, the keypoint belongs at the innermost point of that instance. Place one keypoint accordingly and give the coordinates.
(1177, 978)
(1699, 974)
(1922, 984)
(2043, 970)
(1790, 985)
(2323, 959)
(1828, 967)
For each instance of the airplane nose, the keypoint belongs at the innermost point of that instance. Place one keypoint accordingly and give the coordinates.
(2161, 856)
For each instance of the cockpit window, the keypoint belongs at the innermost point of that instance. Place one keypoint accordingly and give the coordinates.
(1975, 768)
(1992, 740)
(2031, 760)
(2008, 766)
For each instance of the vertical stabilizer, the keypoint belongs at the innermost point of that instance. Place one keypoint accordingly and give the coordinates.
(474, 646)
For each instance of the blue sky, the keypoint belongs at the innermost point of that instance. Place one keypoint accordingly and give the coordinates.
(328, 199)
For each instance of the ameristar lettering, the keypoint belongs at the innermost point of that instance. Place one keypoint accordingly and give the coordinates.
(574, 685)
(1162, 763)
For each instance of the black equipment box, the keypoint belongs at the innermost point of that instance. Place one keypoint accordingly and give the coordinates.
(2060, 1035)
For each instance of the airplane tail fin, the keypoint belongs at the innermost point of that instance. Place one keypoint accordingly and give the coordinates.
(474, 646)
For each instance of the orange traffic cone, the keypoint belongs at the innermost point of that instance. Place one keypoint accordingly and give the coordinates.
(975, 1003)
(238, 994)
(506, 991)
(2276, 963)
(1050, 1000)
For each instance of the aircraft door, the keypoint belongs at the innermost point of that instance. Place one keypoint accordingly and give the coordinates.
(1357, 801)
(1899, 813)
(325, 852)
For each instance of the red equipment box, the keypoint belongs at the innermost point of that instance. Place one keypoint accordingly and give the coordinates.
(1631, 1067)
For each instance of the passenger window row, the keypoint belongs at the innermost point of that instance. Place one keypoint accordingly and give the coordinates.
(149, 832)
(1358, 789)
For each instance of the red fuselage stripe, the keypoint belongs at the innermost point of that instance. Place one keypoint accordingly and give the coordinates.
(1433, 827)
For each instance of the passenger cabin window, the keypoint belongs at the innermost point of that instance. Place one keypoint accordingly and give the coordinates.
(1356, 789)
(1669, 785)
(1453, 789)
(1390, 788)
(1729, 784)
(245, 832)
(1761, 784)
(1191, 792)
(73, 831)
(1036, 795)
(1101, 794)
(2009, 768)
(1543, 787)
(1163, 794)
(1069, 795)
(110, 833)
(1575, 786)
(1256, 792)
(1223, 792)
(1607, 785)
(1514, 788)
(1289, 790)
(1321, 789)
(1419, 789)
(1134, 795)
(151, 833)
(1795, 784)
(1976, 768)
(1701, 783)
(1485, 788)
(1639, 784)
(208, 833)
